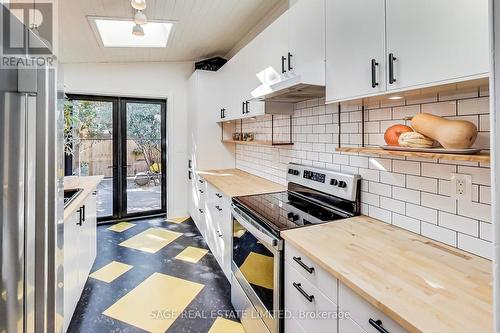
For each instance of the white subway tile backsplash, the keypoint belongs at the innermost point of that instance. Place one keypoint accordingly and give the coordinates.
(406, 167)
(422, 183)
(459, 223)
(422, 213)
(475, 245)
(406, 222)
(411, 193)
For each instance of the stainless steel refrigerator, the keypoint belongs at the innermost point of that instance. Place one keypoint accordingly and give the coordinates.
(31, 257)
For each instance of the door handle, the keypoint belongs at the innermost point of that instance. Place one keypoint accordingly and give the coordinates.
(218, 208)
(298, 286)
(80, 216)
(299, 261)
(246, 106)
(290, 61)
(378, 325)
(283, 59)
(201, 191)
(190, 176)
(223, 113)
(190, 162)
(243, 107)
(200, 210)
(218, 195)
(392, 79)
(374, 73)
(84, 213)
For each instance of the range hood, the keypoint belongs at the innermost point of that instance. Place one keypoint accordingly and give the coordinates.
(287, 89)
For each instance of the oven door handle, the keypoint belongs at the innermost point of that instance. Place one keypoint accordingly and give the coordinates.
(267, 238)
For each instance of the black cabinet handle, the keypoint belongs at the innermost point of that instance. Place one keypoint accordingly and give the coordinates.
(201, 181)
(218, 208)
(299, 261)
(246, 106)
(392, 79)
(298, 286)
(283, 59)
(201, 191)
(218, 195)
(190, 175)
(200, 210)
(374, 73)
(290, 61)
(378, 325)
(80, 219)
(243, 107)
(223, 113)
(190, 164)
(84, 213)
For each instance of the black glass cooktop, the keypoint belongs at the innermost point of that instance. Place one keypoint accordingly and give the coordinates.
(287, 210)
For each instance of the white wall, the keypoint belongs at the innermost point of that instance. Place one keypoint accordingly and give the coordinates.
(148, 80)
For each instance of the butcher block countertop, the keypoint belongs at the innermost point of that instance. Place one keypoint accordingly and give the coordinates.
(88, 184)
(423, 285)
(236, 183)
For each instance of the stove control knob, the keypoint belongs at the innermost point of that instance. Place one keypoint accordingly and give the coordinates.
(296, 172)
(334, 182)
(342, 184)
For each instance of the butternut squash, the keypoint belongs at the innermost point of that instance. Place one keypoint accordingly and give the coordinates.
(415, 140)
(451, 134)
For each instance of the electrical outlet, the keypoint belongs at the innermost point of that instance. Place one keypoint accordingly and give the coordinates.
(461, 186)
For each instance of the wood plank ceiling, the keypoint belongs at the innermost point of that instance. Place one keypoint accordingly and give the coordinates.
(204, 28)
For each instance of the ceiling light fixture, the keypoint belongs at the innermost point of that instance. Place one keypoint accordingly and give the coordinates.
(138, 4)
(137, 30)
(140, 18)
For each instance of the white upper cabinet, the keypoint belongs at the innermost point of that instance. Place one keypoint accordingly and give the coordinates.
(379, 46)
(436, 41)
(355, 48)
(306, 55)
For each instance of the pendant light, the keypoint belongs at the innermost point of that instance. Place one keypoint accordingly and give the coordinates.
(140, 18)
(138, 4)
(138, 31)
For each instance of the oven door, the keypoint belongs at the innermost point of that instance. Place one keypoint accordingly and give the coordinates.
(256, 268)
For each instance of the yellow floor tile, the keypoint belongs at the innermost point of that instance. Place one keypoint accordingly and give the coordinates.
(178, 219)
(111, 271)
(259, 270)
(122, 226)
(155, 303)
(191, 254)
(151, 240)
(223, 325)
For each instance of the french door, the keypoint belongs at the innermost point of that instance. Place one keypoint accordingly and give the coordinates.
(123, 139)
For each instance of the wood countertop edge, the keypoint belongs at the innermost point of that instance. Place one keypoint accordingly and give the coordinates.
(88, 184)
(270, 187)
(346, 278)
(342, 277)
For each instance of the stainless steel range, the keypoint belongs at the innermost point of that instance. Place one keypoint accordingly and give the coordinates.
(314, 196)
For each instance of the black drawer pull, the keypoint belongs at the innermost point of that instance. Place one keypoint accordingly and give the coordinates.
(283, 59)
(299, 261)
(218, 195)
(290, 61)
(80, 218)
(298, 286)
(200, 210)
(201, 181)
(218, 208)
(201, 191)
(392, 79)
(378, 325)
(374, 73)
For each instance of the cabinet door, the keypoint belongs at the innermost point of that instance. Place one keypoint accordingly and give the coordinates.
(437, 41)
(355, 35)
(226, 234)
(91, 227)
(267, 51)
(233, 94)
(71, 267)
(307, 40)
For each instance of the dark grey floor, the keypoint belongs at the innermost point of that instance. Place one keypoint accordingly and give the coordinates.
(98, 296)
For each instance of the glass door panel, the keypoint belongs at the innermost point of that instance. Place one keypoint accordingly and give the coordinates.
(89, 146)
(144, 155)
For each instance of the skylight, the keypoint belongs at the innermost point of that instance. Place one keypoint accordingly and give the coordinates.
(118, 33)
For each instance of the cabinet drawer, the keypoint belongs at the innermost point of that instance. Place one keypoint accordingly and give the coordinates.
(321, 279)
(346, 325)
(360, 311)
(317, 314)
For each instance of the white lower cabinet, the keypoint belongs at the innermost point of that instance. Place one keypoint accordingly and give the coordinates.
(316, 302)
(212, 216)
(80, 249)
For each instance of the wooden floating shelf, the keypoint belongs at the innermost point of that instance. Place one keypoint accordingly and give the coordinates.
(259, 143)
(481, 157)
